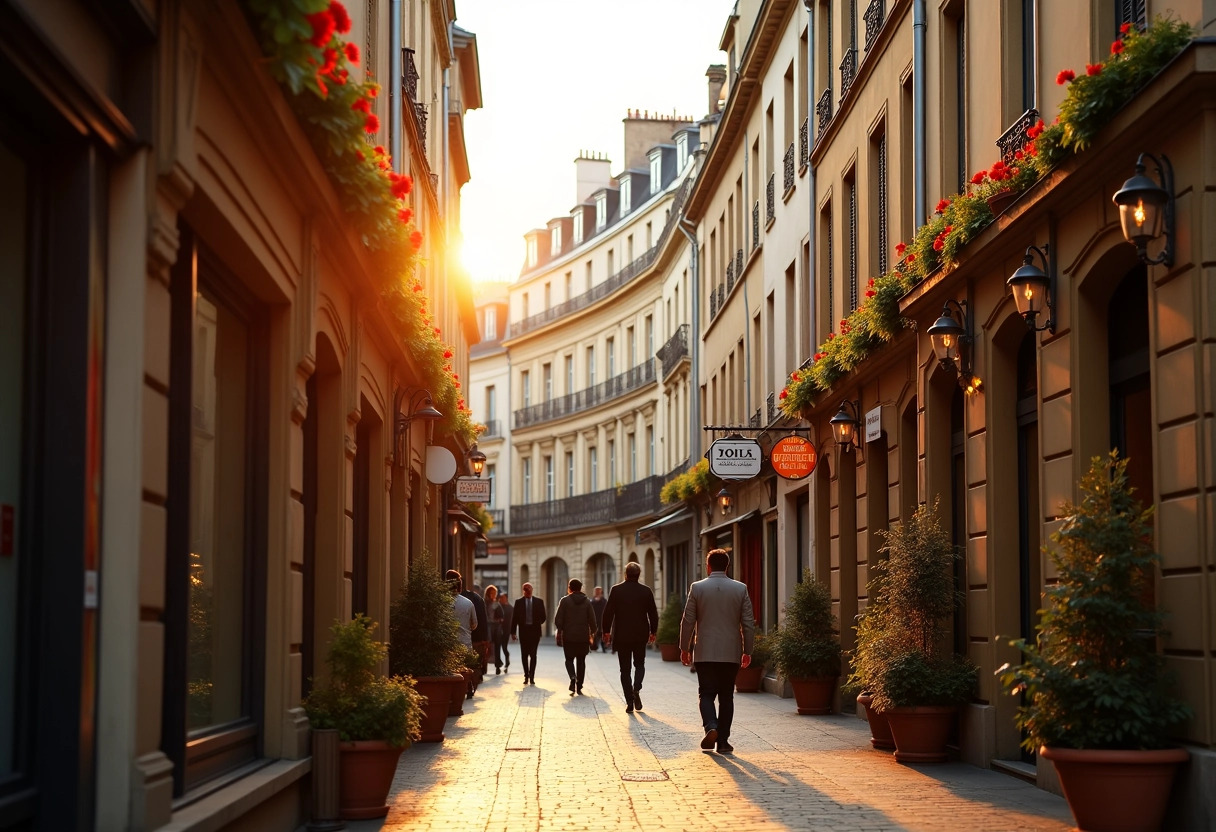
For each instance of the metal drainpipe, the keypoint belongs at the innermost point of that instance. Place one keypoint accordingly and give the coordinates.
(694, 404)
(810, 173)
(919, 151)
(395, 80)
(747, 321)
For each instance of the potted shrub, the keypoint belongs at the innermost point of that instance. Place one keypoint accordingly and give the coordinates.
(869, 625)
(1097, 702)
(805, 647)
(667, 636)
(464, 680)
(901, 654)
(376, 717)
(748, 679)
(424, 643)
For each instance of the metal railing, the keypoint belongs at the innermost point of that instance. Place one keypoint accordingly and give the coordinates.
(499, 516)
(823, 110)
(713, 303)
(410, 82)
(789, 168)
(739, 263)
(674, 351)
(600, 508)
(753, 421)
(771, 407)
(1015, 138)
(493, 429)
(848, 71)
(804, 143)
(770, 207)
(730, 274)
(756, 224)
(874, 20)
(615, 387)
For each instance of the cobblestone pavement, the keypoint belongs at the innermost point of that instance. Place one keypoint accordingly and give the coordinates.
(534, 758)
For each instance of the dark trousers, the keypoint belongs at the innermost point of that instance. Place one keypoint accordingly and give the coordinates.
(576, 663)
(637, 654)
(502, 649)
(717, 679)
(527, 647)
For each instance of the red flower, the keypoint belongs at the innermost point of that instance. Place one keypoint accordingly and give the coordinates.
(436, 330)
(331, 61)
(417, 287)
(373, 91)
(794, 376)
(405, 215)
(447, 353)
(900, 248)
(340, 17)
(949, 228)
(378, 150)
(322, 27)
(1017, 154)
(373, 123)
(939, 243)
(359, 155)
(1064, 76)
(1125, 28)
(1037, 130)
(979, 177)
(362, 105)
(870, 293)
(416, 240)
(322, 87)
(784, 394)
(831, 335)
(352, 53)
(912, 257)
(942, 205)
(457, 383)
(1093, 69)
(401, 186)
(1116, 48)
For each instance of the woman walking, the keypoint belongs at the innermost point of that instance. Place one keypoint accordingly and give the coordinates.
(494, 614)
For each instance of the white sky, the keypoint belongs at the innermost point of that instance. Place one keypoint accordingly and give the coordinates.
(557, 77)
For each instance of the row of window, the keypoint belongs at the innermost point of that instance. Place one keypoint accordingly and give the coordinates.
(590, 364)
(593, 477)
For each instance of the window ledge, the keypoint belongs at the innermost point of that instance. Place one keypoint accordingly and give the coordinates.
(785, 197)
(802, 169)
(220, 808)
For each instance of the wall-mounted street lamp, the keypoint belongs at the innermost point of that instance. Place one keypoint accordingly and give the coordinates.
(1146, 209)
(1034, 290)
(844, 425)
(952, 339)
(420, 407)
(725, 501)
(477, 460)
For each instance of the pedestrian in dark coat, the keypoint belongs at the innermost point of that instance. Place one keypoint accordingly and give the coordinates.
(630, 622)
(575, 624)
(504, 635)
(598, 602)
(527, 619)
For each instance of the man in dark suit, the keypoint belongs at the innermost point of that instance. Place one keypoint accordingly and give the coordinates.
(632, 610)
(526, 620)
(718, 614)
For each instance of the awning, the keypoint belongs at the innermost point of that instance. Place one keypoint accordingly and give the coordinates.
(467, 521)
(674, 517)
(726, 525)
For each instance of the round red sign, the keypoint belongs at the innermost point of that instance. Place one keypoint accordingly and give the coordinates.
(793, 457)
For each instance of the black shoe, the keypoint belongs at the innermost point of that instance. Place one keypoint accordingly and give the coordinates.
(629, 708)
(725, 748)
(572, 686)
(637, 700)
(497, 670)
(580, 690)
(710, 739)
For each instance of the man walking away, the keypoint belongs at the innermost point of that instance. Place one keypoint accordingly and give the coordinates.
(598, 602)
(526, 620)
(504, 633)
(481, 636)
(719, 615)
(630, 622)
(466, 615)
(575, 624)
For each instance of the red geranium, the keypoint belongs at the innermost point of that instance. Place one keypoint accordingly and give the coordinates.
(942, 205)
(373, 123)
(405, 215)
(1116, 48)
(1125, 28)
(352, 53)
(900, 248)
(979, 177)
(784, 394)
(416, 239)
(323, 26)
(402, 185)
(1093, 69)
(1065, 76)
(362, 105)
(340, 17)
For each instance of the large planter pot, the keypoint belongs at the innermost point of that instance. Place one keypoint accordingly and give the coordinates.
(998, 202)
(1116, 791)
(880, 728)
(921, 732)
(814, 695)
(365, 774)
(437, 690)
(459, 684)
(670, 652)
(748, 679)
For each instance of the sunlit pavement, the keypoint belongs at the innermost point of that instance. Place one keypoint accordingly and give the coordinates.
(535, 758)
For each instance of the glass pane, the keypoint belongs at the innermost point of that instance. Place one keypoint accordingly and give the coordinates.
(217, 516)
(12, 360)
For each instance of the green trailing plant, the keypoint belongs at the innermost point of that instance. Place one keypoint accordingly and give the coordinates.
(356, 700)
(693, 483)
(424, 635)
(1091, 101)
(668, 631)
(900, 654)
(1094, 679)
(806, 645)
(479, 513)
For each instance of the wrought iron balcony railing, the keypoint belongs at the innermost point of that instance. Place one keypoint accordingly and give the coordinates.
(674, 351)
(804, 143)
(874, 20)
(600, 508)
(713, 304)
(410, 82)
(771, 405)
(498, 516)
(493, 429)
(721, 296)
(848, 71)
(615, 387)
(823, 110)
(739, 263)
(756, 224)
(770, 207)
(789, 168)
(1015, 138)
(730, 274)
(753, 421)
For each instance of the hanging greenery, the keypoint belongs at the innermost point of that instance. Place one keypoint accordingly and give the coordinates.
(1091, 102)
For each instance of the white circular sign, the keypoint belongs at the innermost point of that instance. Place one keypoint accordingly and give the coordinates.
(440, 465)
(735, 459)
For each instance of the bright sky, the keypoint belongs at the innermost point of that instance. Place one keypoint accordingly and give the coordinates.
(557, 77)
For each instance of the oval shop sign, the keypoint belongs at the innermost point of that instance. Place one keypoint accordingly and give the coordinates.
(735, 459)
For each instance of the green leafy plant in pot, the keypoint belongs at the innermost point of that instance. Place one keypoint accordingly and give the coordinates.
(376, 717)
(806, 647)
(901, 655)
(425, 642)
(667, 635)
(748, 679)
(1097, 699)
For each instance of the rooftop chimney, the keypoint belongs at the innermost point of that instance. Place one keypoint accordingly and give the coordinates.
(717, 79)
(592, 171)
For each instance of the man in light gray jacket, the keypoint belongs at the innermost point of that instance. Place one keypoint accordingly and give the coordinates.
(718, 615)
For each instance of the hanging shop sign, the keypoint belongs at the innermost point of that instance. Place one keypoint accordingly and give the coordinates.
(793, 457)
(735, 458)
(874, 424)
(473, 489)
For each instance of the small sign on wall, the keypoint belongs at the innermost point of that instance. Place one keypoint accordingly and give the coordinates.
(874, 424)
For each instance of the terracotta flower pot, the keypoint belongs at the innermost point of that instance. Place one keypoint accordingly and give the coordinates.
(459, 685)
(880, 728)
(748, 679)
(1115, 790)
(437, 690)
(920, 732)
(998, 202)
(670, 652)
(814, 696)
(365, 774)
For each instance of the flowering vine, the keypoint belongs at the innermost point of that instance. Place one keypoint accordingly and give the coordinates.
(1090, 103)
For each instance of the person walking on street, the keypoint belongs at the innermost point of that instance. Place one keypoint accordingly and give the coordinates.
(504, 633)
(630, 622)
(466, 615)
(527, 619)
(575, 624)
(598, 602)
(481, 636)
(494, 615)
(718, 614)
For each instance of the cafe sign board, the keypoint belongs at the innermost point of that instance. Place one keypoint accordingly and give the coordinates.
(735, 458)
(793, 457)
(473, 489)
(874, 424)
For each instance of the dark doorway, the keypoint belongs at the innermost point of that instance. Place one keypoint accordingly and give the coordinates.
(958, 513)
(1027, 413)
(308, 602)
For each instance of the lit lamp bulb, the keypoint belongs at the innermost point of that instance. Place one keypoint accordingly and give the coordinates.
(1138, 214)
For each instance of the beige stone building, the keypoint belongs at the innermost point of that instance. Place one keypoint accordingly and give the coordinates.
(206, 408)
(489, 391)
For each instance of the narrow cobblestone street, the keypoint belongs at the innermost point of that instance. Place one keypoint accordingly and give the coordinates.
(535, 758)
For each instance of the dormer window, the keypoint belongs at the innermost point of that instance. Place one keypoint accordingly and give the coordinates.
(681, 150)
(601, 211)
(555, 245)
(532, 258)
(578, 228)
(626, 195)
(656, 172)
